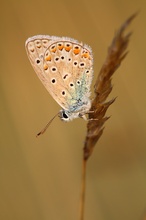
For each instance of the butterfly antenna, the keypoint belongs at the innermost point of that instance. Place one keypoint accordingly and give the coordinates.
(47, 125)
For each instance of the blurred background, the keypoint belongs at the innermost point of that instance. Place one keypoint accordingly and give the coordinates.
(40, 177)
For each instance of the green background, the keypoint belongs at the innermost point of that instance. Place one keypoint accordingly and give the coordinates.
(40, 177)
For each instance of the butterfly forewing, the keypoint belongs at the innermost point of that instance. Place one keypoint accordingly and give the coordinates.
(63, 65)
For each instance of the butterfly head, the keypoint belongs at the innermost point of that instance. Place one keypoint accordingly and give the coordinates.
(68, 116)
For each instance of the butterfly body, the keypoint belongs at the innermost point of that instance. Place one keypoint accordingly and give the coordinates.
(65, 67)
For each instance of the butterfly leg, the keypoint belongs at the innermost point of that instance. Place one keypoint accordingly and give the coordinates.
(83, 116)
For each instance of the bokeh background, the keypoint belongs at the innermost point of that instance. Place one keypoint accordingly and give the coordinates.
(40, 177)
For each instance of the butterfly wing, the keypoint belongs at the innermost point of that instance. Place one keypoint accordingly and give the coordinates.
(63, 65)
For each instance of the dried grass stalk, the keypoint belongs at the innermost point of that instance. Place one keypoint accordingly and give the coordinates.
(103, 86)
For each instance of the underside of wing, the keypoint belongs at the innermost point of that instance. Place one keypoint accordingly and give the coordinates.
(64, 66)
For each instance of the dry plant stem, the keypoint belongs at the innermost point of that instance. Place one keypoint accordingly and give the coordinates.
(103, 86)
(83, 186)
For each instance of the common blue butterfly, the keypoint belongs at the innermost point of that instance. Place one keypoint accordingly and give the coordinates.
(65, 67)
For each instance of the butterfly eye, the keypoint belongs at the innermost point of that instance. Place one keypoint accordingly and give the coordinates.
(64, 115)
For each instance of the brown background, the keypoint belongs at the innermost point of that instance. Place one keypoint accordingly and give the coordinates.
(40, 177)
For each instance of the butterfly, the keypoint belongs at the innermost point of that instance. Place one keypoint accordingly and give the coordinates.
(65, 67)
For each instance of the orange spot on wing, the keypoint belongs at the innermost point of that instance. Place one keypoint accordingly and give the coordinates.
(85, 55)
(76, 51)
(48, 58)
(53, 50)
(45, 67)
(60, 47)
(68, 48)
(32, 50)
